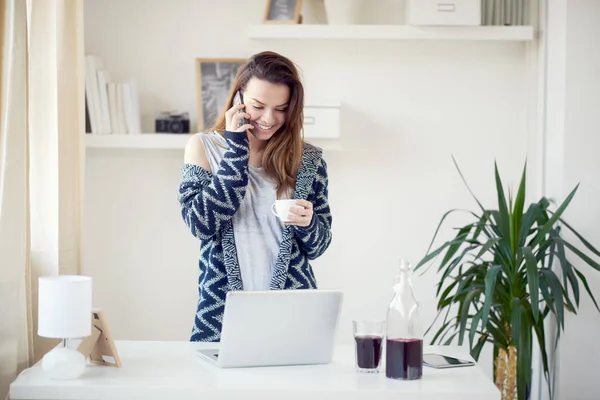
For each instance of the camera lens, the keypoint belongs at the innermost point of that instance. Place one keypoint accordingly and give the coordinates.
(176, 126)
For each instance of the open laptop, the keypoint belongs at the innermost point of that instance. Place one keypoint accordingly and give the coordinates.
(277, 327)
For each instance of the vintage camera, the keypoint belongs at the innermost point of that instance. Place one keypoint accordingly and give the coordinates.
(172, 122)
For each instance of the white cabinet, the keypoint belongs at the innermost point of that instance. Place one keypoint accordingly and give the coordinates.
(444, 13)
(322, 121)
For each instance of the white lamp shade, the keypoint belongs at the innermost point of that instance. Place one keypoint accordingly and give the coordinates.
(65, 306)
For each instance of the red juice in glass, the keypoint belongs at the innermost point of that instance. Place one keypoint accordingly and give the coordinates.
(368, 351)
(368, 344)
(404, 358)
(404, 344)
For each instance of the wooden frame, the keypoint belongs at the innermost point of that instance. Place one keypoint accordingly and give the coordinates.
(100, 347)
(214, 77)
(283, 11)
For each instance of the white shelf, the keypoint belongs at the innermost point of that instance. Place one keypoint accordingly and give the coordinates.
(137, 141)
(166, 141)
(390, 32)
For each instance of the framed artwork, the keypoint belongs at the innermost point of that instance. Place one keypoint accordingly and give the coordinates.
(214, 78)
(283, 11)
(100, 346)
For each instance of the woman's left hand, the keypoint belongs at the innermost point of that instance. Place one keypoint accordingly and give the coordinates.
(301, 215)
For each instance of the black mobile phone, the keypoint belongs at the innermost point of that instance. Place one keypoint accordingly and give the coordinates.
(237, 99)
(442, 361)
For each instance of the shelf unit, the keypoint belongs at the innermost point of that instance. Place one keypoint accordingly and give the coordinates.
(166, 141)
(390, 32)
(137, 141)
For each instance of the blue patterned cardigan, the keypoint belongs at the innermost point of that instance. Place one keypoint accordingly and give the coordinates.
(208, 203)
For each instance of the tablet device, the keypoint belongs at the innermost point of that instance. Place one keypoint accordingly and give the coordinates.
(441, 361)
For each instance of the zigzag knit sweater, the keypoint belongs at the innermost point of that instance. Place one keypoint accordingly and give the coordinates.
(209, 201)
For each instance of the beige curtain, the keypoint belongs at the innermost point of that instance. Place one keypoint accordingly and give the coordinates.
(56, 98)
(41, 147)
(15, 315)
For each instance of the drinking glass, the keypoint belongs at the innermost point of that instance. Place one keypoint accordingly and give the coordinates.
(368, 345)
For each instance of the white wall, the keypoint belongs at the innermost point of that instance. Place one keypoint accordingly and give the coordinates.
(578, 24)
(407, 107)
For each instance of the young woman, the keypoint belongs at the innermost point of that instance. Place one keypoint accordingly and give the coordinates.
(230, 178)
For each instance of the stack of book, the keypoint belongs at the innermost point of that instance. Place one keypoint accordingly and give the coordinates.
(505, 12)
(110, 107)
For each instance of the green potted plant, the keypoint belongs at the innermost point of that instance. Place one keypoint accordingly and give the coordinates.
(500, 282)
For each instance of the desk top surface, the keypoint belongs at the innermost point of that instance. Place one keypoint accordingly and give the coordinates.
(171, 370)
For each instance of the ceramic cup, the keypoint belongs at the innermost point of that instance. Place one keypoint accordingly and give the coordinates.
(281, 208)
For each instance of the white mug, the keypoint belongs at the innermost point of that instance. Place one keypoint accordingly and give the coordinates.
(281, 208)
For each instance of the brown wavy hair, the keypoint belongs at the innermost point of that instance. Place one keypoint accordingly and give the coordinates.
(283, 152)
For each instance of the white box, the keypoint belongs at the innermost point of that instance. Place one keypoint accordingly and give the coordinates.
(322, 121)
(443, 12)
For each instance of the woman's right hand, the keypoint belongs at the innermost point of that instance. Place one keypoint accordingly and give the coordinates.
(232, 118)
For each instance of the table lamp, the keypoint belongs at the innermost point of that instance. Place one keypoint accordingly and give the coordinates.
(64, 309)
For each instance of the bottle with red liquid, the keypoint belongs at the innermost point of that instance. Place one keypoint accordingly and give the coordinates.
(404, 343)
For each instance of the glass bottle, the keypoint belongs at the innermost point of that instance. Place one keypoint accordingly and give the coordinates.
(404, 339)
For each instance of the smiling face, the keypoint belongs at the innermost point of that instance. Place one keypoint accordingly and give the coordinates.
(267, 104)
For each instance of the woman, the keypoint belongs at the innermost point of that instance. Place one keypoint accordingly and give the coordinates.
(231, 177)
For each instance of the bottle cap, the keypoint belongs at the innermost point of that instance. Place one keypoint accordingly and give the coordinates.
(405, 266)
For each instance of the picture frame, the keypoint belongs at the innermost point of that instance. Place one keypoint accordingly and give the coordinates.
(283, 12)
(214, 78)
(100, 346)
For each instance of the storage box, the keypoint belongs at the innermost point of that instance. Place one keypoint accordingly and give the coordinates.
(443, 12)
(322, 121)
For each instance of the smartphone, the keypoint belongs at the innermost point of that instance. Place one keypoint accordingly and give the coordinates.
(440, 361)
(237, 99)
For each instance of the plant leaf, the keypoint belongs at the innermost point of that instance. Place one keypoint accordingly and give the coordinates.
(503, 246)
(568, 275)
(432, 255)
(486, 247)
(466, 184)
(515, 317)
(585, 242)
(462, 234)
(539, 329)
(523, 356)
(503, 216)
(426, 259)
(490, 281)
(474, 322)
(441, 330)
(454, 264)
(477, 349)
(555, 217)
(556, 289)
(548, 299)
(581, 255)
(447, 291)
(435, 320)
(464, 312)
(587, 287)
(527, 222)
(532, 281)
(517, 214)
(565, 265)
(450, 339)
(499, 335)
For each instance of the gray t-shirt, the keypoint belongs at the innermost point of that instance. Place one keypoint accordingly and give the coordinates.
(257, 231)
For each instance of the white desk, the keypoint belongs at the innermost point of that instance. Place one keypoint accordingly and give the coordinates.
(171, 370)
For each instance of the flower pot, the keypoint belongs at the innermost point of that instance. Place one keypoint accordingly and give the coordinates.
(313, 12)
(345, 12)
